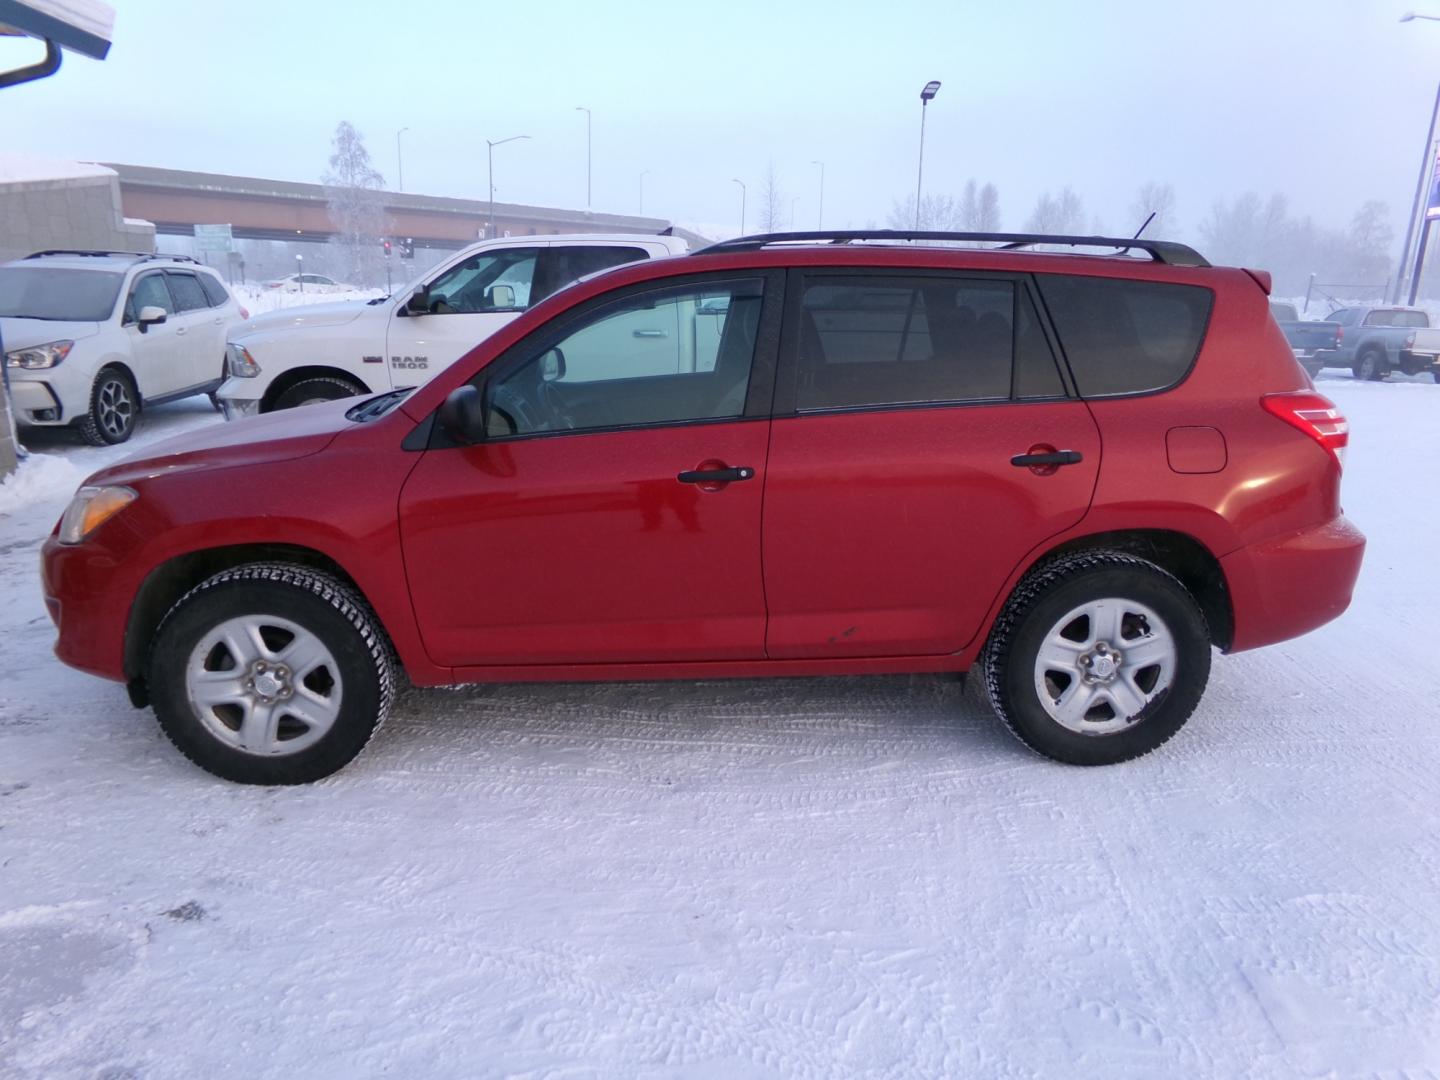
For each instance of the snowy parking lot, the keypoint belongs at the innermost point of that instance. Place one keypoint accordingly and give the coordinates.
(842, 877)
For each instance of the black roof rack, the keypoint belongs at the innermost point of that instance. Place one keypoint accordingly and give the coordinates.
(138, 256)
(1162, 251)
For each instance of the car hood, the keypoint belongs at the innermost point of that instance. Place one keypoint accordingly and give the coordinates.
(23, 333)
(277, 436)
(334, 314)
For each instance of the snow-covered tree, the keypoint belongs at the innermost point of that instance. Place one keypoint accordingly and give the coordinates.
(772, 202)
(1158, 199)
(1061, 214)
(353, 190)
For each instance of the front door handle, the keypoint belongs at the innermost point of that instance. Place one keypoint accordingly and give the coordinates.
(715, 476)
(1054, 457)
(179, 329)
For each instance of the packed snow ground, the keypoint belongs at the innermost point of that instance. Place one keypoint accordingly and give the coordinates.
(842, 877)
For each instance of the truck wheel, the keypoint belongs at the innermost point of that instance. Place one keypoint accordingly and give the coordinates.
(1370, 367)
(1098, 657)
(316, 389)
(114, 409)
(270, 673)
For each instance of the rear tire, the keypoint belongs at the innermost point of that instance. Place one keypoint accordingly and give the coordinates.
(316, 389)
(270, 673)
(114, 409)
(1370, 366)
(1097, 658)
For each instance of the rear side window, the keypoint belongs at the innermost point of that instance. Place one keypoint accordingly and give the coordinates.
(1123, 336)
(188, 294)
(560, 266)
(214, 291)
(895, 340)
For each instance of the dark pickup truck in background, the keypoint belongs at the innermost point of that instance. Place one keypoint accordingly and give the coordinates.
(1375, 341)
(1313, 342)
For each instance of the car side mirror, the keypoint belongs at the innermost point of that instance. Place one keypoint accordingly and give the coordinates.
(500, 296)
(462, 415)
(552, 366)
(419, 302)
(150, 316)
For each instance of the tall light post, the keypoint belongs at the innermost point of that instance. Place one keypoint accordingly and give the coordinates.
(742, 203)
(642, 189)
(931, 89)
(820, 215)
(1417, 208)
(490, 173)
(582, 108)
(400, 158)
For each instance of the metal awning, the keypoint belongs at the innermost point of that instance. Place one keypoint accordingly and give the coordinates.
(81, 26)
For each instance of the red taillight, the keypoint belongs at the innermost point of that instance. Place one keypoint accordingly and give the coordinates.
(1339, 334)
(244, 314)
(1315, 415)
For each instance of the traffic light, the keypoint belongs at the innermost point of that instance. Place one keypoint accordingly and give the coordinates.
(387, 249)
(407, 247)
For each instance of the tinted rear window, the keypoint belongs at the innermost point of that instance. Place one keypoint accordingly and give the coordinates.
(1126, 337)
(1396, 318)
(188, 294)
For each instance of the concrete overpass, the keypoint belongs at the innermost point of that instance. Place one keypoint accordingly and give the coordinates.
(260, 209)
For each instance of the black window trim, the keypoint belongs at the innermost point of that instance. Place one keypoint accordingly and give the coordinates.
(787, 382)
(759, 395)
(1184, 376)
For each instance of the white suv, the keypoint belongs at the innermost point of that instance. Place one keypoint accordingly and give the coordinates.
(92, 336)
(321, 352)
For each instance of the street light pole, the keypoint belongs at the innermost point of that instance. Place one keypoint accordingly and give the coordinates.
(582, 108)
(820, 215)
(642, 190)
(399, 158)
(742, 203)
(1417, 208)
(490, 174)
(931, 89)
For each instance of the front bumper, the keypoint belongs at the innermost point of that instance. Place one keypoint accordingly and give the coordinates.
(88, 594)
(34, 402)
(1289, 585)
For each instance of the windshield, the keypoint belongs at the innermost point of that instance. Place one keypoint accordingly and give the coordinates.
(37, 292)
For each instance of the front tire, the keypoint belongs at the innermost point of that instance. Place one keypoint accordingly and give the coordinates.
(270, 673)
(114, 409)
(1097, 658)
(316, 389)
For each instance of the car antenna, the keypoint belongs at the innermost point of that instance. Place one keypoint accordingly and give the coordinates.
(1145, 226)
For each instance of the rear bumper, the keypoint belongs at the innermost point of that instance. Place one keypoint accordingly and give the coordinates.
(1289, 585)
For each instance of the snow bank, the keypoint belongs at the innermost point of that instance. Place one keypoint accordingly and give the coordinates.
(257, 300)
(27, 168)
(40, 476)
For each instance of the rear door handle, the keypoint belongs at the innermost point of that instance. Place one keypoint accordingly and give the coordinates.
(179, 329)
(1057, 457)
(647, 333)
(715, 476)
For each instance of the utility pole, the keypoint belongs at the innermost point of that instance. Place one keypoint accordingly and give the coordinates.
(820, 215)
(490, 175)
(742, 203)
(400, 159)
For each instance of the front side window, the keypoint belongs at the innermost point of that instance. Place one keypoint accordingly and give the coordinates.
(657, 357)
(897, 340)
(148, 291)
(489, 281)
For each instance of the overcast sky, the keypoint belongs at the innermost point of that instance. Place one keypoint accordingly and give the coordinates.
(1325, 100)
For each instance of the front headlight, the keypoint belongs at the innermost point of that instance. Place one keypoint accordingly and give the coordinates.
(90, 508)
(39, 356)
(241, 364)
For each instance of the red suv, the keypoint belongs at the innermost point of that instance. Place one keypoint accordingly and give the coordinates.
(802, 454)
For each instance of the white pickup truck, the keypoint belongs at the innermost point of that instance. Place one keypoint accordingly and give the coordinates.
(322, 352)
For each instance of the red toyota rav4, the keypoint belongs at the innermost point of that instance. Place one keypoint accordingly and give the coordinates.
(802, 454)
